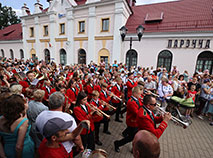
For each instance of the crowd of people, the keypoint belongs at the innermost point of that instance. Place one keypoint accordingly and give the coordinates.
(50, 110)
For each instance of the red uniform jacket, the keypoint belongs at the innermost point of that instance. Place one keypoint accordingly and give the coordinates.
(97, 87)
(89, 89)
(106, 98)
(47, 94)
(81, 115)
(117, 90)
(72, 94)
(99, 106)
(145, 122)
(24, 85)
(52, 91)
(79, 87)
(132, 111)
(130, 84)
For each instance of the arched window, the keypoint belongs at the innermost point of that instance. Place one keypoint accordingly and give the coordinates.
(82, 56)
(11, 54)
(63, 57)
(2, 52)
(165, 60)
(47, 55)
(205, 61)
(21, 53)
(131, 58)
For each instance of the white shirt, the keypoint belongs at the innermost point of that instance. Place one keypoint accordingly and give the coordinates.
(44, 116)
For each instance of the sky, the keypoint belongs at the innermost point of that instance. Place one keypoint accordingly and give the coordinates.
(17, 4)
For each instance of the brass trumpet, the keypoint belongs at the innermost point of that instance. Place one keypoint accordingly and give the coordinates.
(174, 119)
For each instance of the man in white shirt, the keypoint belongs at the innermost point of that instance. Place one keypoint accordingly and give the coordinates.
(56, 100)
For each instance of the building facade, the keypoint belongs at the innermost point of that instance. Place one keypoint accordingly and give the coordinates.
(80, 31)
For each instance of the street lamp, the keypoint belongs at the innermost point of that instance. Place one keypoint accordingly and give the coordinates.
(123, 31)
(140, 30)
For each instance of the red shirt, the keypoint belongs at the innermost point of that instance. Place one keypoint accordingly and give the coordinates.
(47, 152)
(192, 95)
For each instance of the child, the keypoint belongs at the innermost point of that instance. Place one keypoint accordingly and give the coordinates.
(191, 94)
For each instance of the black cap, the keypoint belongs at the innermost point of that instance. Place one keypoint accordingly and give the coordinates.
(55, 125)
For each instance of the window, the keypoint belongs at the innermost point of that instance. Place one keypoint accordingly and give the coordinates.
(63, 57)
(2, 52)
(32, 32)
(21, 53)
(105, 24)
(62, 29)
(47, 56)
(11, 54)
(45, 30)
(205, 61)
(81, 56)
(131, 58)
(81, 26)
(165, 59)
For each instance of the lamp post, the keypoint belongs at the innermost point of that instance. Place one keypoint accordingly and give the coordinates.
(123, 32)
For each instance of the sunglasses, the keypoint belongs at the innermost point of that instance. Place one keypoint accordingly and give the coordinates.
(154, 104)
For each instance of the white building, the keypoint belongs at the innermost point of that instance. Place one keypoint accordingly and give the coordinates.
(79, 31)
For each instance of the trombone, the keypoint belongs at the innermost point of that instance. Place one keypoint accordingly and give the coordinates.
(108, 105)
(115, 96)
(174, 119)
(99, 112)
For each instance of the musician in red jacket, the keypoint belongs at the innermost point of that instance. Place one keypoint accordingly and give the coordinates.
(97, 103)
(118, 91)
(133, 106)
(47, 88)
(104, 96)
(82, 111)
(130, 84)
(89, 88)
(98, 85)
(146, 120)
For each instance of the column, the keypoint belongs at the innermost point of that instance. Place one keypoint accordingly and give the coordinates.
(37, 41)
(91, 35)
(24, 36)
(70, 37)
(118, 23)
(52, 35)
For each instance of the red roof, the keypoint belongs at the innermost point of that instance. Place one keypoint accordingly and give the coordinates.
(80, 2)
(13, 32)
(183, 15)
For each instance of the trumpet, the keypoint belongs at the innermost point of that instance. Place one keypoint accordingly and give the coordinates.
(174, 119)
(99, 112)
(108, 105)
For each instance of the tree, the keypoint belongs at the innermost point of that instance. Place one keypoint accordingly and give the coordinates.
(7, 17)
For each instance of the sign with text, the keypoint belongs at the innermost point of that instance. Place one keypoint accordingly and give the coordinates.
(189, 43)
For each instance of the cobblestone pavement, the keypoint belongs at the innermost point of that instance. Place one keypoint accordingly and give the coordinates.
(194, 142)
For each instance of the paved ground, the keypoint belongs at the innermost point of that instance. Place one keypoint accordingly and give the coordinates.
(194, 142)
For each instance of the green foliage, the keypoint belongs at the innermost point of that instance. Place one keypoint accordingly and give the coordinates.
(7, 17)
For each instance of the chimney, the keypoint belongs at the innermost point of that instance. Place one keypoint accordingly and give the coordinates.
(50, 2)
(38, 7)
(25, 10)
(132, 2)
